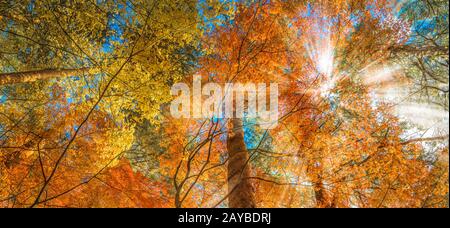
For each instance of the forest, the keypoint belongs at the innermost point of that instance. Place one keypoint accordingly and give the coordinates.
(358, 90)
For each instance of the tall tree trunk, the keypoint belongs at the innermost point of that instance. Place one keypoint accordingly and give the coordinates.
(240, 188)
(31, 76)
(323, 197)
(420, 51)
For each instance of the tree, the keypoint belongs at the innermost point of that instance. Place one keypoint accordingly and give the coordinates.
(426, 53)
(123, 58)
(332, 136)
(85, 96)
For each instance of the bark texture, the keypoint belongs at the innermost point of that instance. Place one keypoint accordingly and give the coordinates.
(240, 188)
(31, 76)
(323, 197)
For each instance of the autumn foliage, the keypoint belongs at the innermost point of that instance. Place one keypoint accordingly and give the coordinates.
(85, 95)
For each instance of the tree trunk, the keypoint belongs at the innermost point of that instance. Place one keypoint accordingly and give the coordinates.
(240, 188)
(421, 51)
(31, 76)
(323, 198)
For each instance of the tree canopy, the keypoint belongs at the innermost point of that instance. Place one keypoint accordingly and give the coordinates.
(85, 99)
